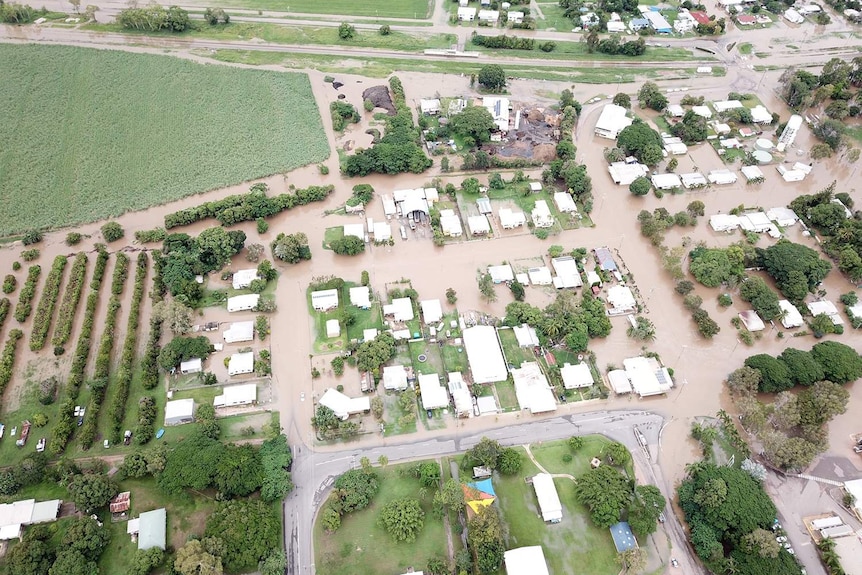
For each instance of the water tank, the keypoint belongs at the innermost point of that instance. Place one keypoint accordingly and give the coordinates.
(762, 157)
(763, 145)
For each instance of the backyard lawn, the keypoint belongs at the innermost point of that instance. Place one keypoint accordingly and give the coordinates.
(73, 146)
(573, 546)
(514, 354)
(506, 395)
(361, 547)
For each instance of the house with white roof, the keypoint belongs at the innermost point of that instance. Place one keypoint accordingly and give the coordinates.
(675, 111)
(576, 376)
(239, 331)
(826, 307)
(401, 309)
(489, 16)
(389, 204)
(179, 411)
(149, 529)
(532, 389)
(666, 181)
(623, 173)
(478, 225)
(616, 27)
(394, 378)
(429, 106)
(658, 22)
(646, 376)
(565, 202)
(244, 302)
(612, 121)
(484, 354)
(540, 276)
(784, 217)
(450, 224)
(433, 394)
(721, 177)
(751, 320)
(515, 17)
(793, 16)
(790, 315)
(751, 173)
(243, 278)
(193, 365)
(499, 107)
(510, 220)
(460, 394)
(619, 381)
(761, 115)
(234, 395)
(542, 217)
(413, 202)
(723, 222)
(240, 364)
(755, 222)
(369, 334)
(526, 336)
(432, 311)
(360, 296)
(343, 406)
(382, 231)
(17, 515)
(501, 273)
(693, 180)
(527, 561)
(355, 230)
(567, 272)
(702, 111)
(324, 300)
(726, 105)
(621, 299)
(466, 14)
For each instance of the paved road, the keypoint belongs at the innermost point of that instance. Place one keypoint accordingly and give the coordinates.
(314, 471)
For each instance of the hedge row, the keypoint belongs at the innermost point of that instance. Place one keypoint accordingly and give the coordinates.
(5, 305)
(247, 207)
(45, 309)
(25, 298)
(147, 413)
(65, 425)
(151, 236)
(150, 361)
(103, 356)
(117, 411)
(71, 299)
(7, 359)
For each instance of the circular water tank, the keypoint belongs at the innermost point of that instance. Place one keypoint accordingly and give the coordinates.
(762, 157)
(763, 144)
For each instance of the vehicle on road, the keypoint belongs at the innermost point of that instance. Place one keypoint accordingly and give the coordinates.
(674, 562)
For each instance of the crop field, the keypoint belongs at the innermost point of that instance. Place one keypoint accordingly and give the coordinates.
(90, 134)
(372, 8)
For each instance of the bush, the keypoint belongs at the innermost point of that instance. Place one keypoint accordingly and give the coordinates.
(724, 300)
(28, 292)
(32, 237)
(112, 231)
(323, 169)
(262, 226)
(147, 414)
(151, 236)
(9, 284)
(346, 31)
(385, 30)
(73, 238)
(342, 113)
(338, 365)
(347, 246)
(28, 256)
(16, 266)
(45, 309)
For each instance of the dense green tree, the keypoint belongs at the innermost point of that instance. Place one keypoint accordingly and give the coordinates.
(249, 530)
(485, 453)
(692, 129)
(605, 491)
(402, 518)
(347, 246)
(492, 77)
(370, 355)
(291, 248)
(755, 291)
(146, 560)
(91, 491)
(73, 562)
(192, 464)
(622, 99)
(473, 122)
(193, 559)
(804, 369)
(509, 461)
(275, 563)
(762, 542)
(450, 496)
(356, 488)
(85, 535)
(821, 402)
(775, 376)
(181, 349)
(651, 96)
(239, 471)
(640, 186)
(784, 256)
(636, 139)
(485, 538)
(788, 452)
(841, 363)
(647, 505)
(714, 266)
(276, 458)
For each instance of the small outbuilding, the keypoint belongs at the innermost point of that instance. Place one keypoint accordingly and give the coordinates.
(193, 365)
(751, 320)
(235, 395)
(565, 202)
(549, 501)
(179, 411)
(501, 273)
(526, 336)
(333, 328)
(430, 106)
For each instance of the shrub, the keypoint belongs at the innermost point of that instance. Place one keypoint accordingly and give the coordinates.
(338, 365)
(82, 351)
(323, 169)
(262, 226)
(346, 31)
(32, 237)
(16, 266)
(348, 246)
(724, 300)
(25, 298)
(384, 30)
(9, 284)
(45, 309)
(151, 236)
(73, 238)
(147, 413)
(5, 304)
(261, 326)
(150, 361)
(112, 231)
(71, 299)
(28, 256)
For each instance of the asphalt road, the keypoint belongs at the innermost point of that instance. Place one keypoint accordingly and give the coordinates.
(314, 472)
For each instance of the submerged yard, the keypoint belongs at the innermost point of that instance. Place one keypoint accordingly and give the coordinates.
(90, 134)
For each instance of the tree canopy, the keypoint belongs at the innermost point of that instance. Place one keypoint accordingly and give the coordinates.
(784, 258)
(605, 491)
(492, 77)
(714, 266)
(485, 538)
(774, 374)
(402, 518)
(841, 363)
(474, 122)
(640, 141)
(249, 529)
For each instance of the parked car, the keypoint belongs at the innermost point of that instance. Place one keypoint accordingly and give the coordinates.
(127, 437)
(674, 562)
(80, 421)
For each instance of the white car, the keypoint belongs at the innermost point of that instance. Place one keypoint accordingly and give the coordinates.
(781, 539)
(40, 447)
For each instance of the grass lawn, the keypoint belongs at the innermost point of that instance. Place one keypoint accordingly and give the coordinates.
(332, 234)
(527, 201)
(454, 358)
(362, 318)
(433, 360)
(553, 18)
(578, 51)
(515, 355)
(573, 546)
(506, 395)
(323, 344)
(361, 547)
(80, 135)
(550, 455)
(744, 48)
(388, 9)
(393, 416)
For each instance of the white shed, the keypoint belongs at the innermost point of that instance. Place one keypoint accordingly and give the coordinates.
(619, 381)
(179, 411)
(526, 336)
(549, 500)
(382, 231)
(234, 395)
(333, 328)
(432, 311)
(791, 316)
(324, 300)
(243, 278)
(239, 331)
(525, 561)
(240, 363)
(484, 354)
(430, 106)
(243, 302)
(193, 365)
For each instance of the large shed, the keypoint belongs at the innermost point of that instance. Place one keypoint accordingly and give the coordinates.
(484, 354)
(152, 529)
(549, 500)
(179, 411)
(193, 365)
(612, 121)
(526, 561)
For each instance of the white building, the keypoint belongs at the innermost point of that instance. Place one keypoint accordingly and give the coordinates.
(460, 394)
(593, 279)
(525, 561)
(412, 202)
(621, 299)
(854, 488)
(369, 334)
(240, 363)
(755, 222)
(515, 17)
(793, 16)
(234, 395)
(751, 320)
(526, 336)
(401, 309)
(499, 107)
(702, 111)
(450, 224)
(478, 225)
(616, 27)
(360, 296)
(535, 187)
(791, 316)
(623, 173)
(721, 177)
(788, 135)
(666, 181)
(394, 378)
(542, 217)
(430, 106)
(355, 230)
(567, 272)
(532, 389)
(15, 516)
(501, 273)
(432, 311)
(646, 376)
(466, 14)
(612, 121)
(179, 411)
(693, 180)
(489, 16)
(565, 202)
(510, 220)
(549, 500)
(484, 354)
(723, 222)
(619, 381)
(761, 115)
(675, 111)
(343, 406)
(324, 300)
(382, 232)
(433, 394)
(243, 278)
(540, 276)
(726, 105)
(193, 365)
(333, 328)
(576, 376)
(825, 307)
(239, 331)
(784, 217)
(243, 302)
(658, 22)
(751, 173)
(389, 204)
